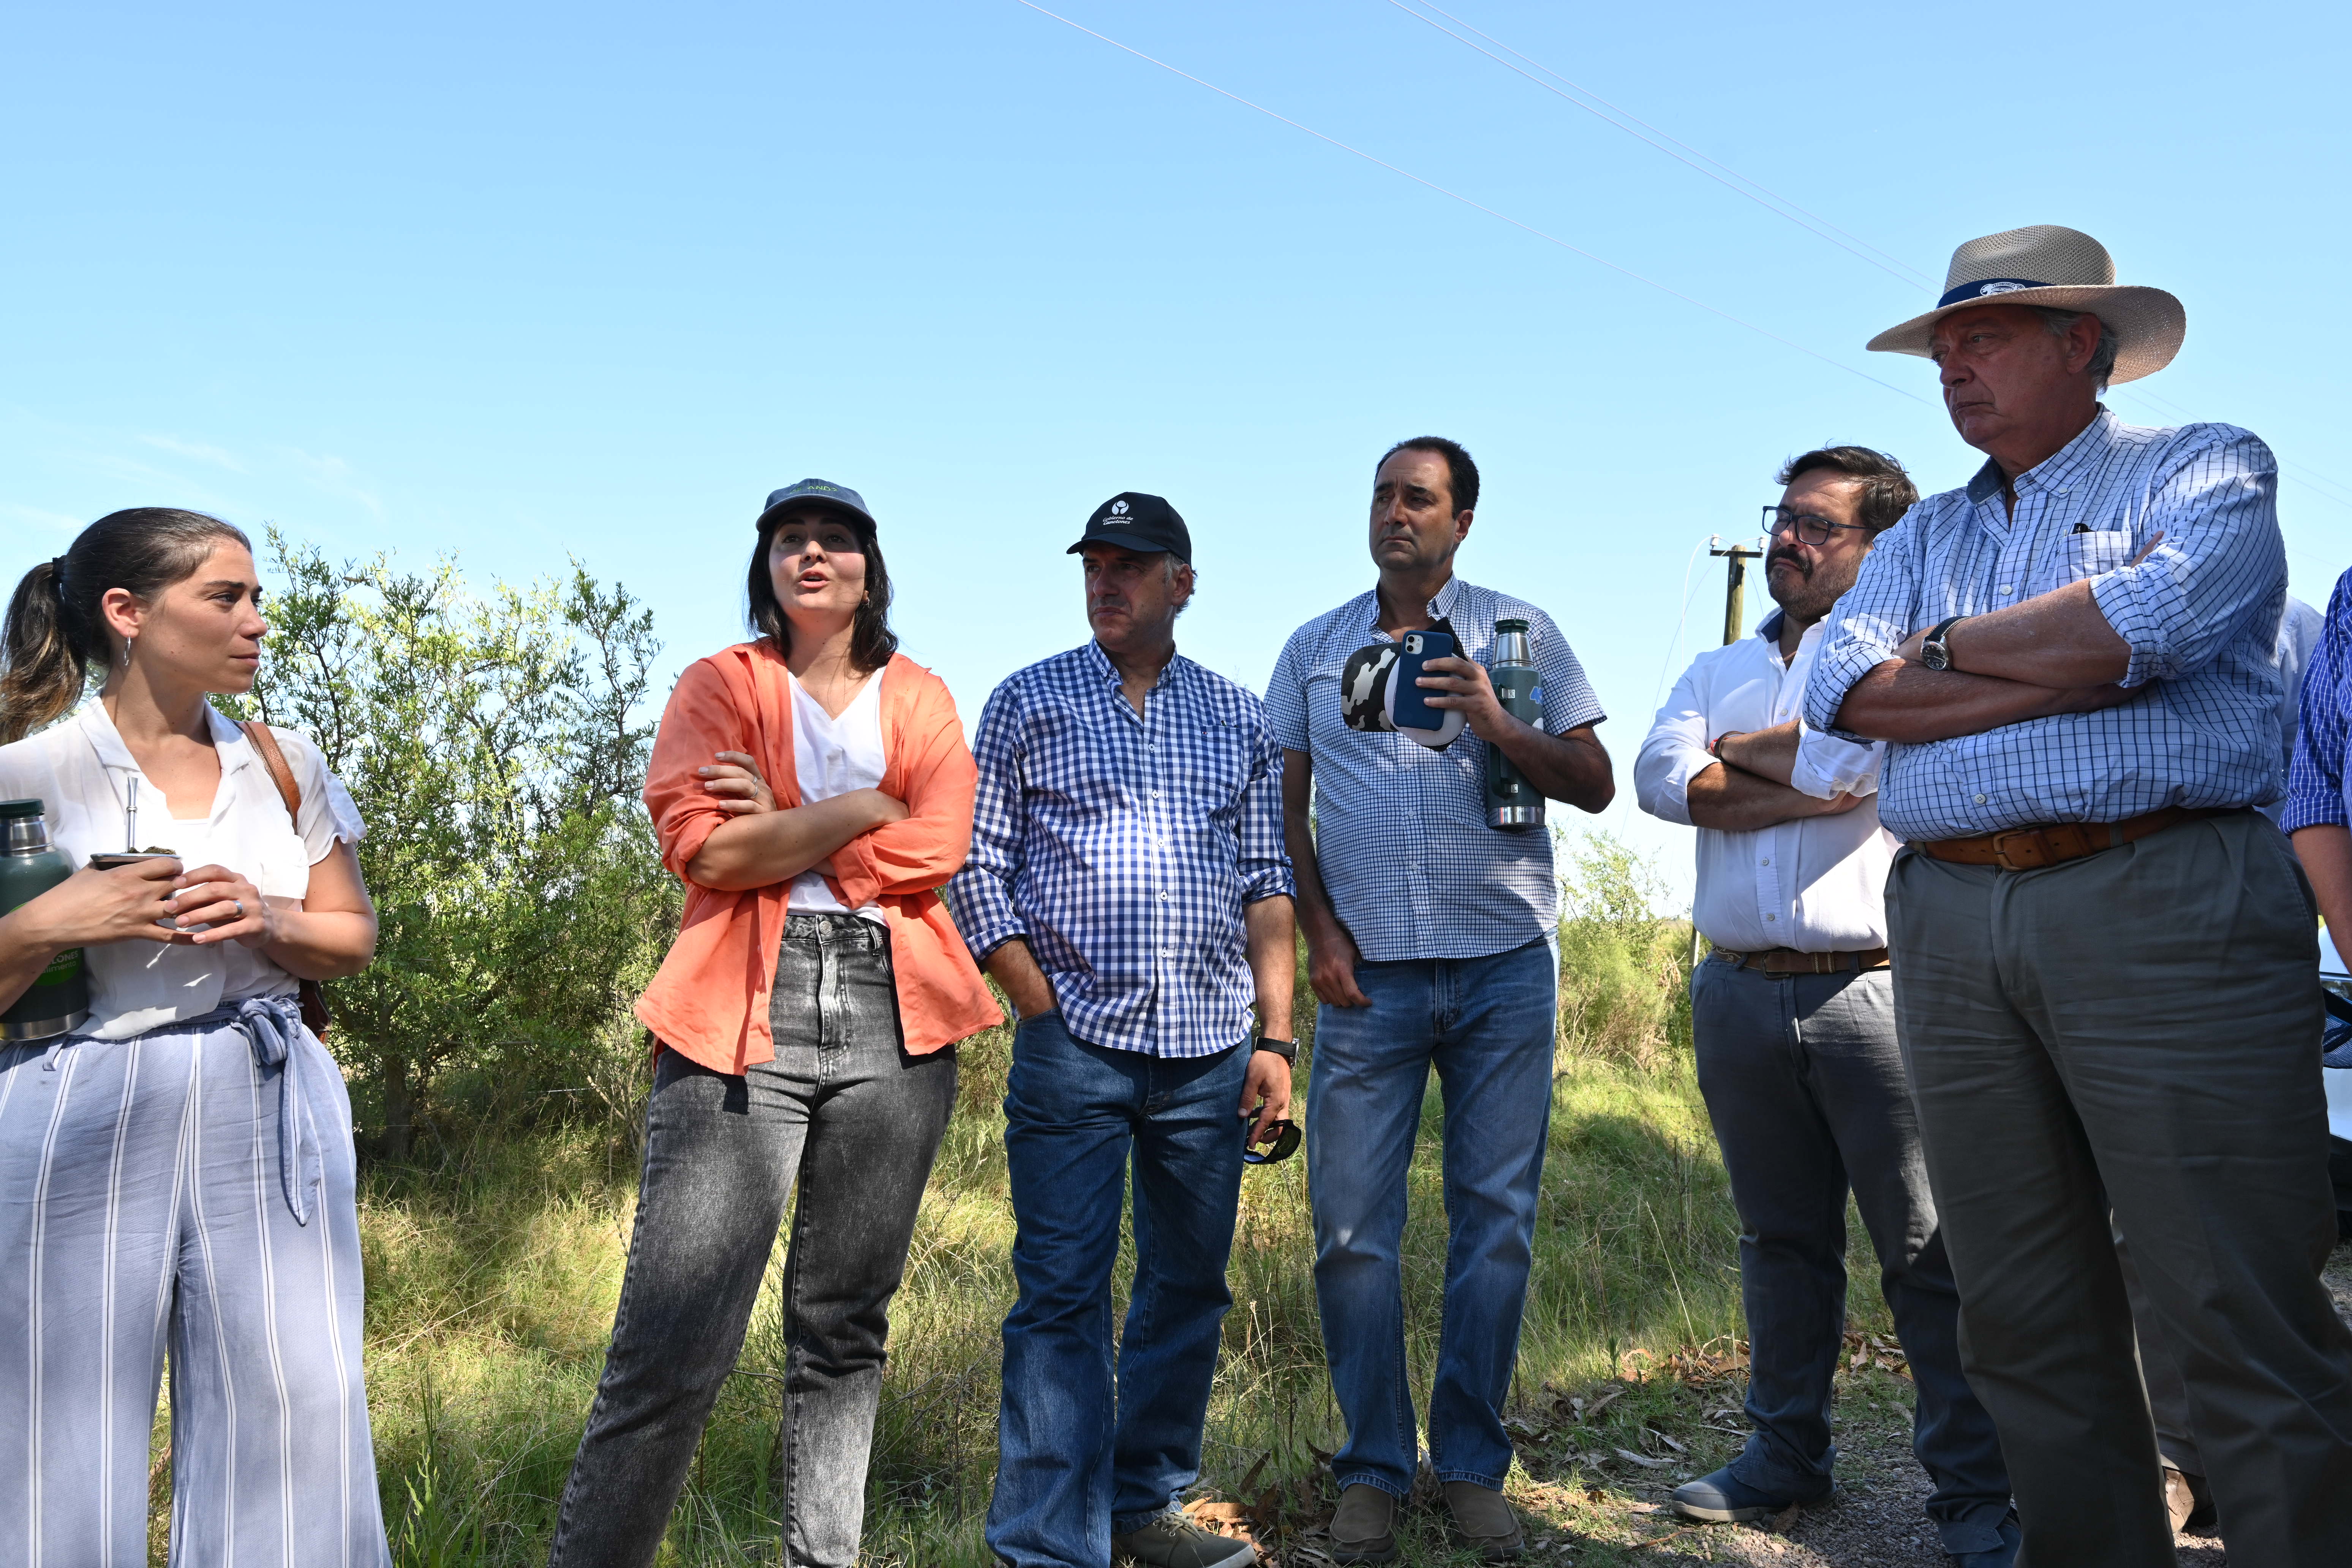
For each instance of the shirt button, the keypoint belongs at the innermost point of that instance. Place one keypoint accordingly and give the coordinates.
(2005, 587)
(1979, 800)
(1163, 895)
(1766, 861)
(1155, 794)
(1771, 917)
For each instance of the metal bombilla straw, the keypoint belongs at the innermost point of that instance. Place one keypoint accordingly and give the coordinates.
(131, 817)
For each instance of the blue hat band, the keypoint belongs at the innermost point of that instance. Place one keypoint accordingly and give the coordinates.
(1988, 288)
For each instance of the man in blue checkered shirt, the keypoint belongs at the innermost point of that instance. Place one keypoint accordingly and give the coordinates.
(1128, 888)
(2104, 958)
(1429, 938)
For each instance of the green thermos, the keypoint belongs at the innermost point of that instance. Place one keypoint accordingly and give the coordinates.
(1512, 803)
(58, 999)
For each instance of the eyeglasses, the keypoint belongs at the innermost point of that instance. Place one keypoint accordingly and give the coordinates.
(1286, 1144)
(1809, 529)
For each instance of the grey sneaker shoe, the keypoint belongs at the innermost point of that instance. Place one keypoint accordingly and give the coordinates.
(1364, 1530)
(1485, 1521)
(1171, 1541)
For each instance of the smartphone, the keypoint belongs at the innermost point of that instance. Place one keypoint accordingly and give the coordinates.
(1412, 711)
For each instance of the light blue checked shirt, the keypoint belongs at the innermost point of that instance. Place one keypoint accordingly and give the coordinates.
(1400, 833)
(2314, 779)
(1123, 848)
(2201, 615)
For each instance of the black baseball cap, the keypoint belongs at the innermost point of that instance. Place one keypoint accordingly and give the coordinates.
(816, 492)
(1140, 522)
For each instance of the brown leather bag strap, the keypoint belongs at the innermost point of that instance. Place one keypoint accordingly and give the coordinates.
(273, 760)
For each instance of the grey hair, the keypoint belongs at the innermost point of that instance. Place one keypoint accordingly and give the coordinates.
(1167, 574)
(2102, 357)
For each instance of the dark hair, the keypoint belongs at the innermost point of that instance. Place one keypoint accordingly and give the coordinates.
(1887, 491)
(1462, 474)
(871, 641)
(55, 629)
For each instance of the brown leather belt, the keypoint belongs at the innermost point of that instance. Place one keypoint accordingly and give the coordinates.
(1788, 960)
(2031, 848)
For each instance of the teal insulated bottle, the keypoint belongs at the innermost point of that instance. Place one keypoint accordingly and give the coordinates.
(59, 998)
(1512, 803)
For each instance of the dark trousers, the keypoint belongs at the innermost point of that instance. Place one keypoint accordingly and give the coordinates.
(852, 1119)
(1803, 1082)
(1085, 1452)
(2140, 1027)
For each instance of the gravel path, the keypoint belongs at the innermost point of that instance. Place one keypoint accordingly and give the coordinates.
(1876, 1522)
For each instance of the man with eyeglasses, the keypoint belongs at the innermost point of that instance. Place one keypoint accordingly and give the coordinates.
(1792, 1016)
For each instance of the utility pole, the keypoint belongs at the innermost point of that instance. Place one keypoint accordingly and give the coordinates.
(1733, 615)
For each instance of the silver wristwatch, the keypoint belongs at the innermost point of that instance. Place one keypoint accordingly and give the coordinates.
(1934, 651)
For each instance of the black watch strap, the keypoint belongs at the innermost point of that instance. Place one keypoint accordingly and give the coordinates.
(1286, 1049)
(1935, 638)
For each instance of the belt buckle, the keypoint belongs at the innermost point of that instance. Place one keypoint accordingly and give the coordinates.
(2000, 850)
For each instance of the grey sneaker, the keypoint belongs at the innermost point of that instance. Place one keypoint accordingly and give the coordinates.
(1364, 1530)
(1171, 1541)
(1485, 1521)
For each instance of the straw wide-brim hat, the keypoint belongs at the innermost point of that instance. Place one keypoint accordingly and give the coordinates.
(2065, 270)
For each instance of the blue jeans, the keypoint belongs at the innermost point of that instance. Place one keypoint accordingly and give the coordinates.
(1078, 1461)
(1486, 1025)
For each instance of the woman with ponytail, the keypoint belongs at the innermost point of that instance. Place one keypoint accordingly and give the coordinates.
(177, 1169)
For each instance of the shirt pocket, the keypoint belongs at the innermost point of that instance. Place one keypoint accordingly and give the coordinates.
(1212, 767)
(2094, 554)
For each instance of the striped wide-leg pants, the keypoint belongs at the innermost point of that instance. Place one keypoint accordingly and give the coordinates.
(190, 1187)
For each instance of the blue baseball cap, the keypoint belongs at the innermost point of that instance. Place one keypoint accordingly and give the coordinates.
(816, 492)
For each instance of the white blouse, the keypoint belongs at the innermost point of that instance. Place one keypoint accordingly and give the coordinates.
(80, 772)
(832, 756)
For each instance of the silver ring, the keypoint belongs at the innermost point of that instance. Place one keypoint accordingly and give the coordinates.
(240, 906)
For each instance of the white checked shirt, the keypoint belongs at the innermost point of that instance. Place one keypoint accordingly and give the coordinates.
(1400, 833)
(2201, 614)
(1817, 884)
(1124, 845)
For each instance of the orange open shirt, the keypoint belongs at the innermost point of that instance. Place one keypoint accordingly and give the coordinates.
(709, 999)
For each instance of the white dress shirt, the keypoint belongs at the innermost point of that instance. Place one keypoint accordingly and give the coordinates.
(1817, 884)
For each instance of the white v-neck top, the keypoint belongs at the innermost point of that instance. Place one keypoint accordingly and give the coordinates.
(80, 771)
(832, 756)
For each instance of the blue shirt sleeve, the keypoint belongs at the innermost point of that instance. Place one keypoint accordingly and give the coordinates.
(2314, 779)
(2221, 562)
(1286, 693)
(1568, 700)
(1263, 861)
(980, 896)
(1868, 622)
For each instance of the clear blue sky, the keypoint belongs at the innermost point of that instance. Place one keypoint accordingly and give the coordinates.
(528, 282)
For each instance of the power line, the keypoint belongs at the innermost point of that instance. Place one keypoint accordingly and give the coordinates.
(2320, 484)
(1465, 201)
(1729, 178)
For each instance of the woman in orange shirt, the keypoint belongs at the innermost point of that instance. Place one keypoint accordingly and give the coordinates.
(813, 789)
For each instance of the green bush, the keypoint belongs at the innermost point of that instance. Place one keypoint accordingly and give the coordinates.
(1624, 969)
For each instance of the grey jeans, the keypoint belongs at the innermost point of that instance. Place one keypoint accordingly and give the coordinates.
(2141, 1025)
(1803, 1082)
(843, 1111)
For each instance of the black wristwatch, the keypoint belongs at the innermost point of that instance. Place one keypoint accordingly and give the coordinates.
(1286, 1049)
(1934, 651)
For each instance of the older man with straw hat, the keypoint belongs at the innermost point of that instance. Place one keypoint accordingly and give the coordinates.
(2104, 956)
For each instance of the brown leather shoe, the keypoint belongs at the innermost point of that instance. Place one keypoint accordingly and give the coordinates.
(1364, 1530)
(2188, 1502)
(1485, 1521)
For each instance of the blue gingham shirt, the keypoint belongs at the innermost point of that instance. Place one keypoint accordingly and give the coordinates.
(1400, 833)
(1123, 847)
(2201, 614)
(2314, 779)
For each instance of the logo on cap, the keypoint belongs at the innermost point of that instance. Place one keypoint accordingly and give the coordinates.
(1118, 509)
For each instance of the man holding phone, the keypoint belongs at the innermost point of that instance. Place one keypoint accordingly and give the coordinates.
(1128, 889)
(1428, 944)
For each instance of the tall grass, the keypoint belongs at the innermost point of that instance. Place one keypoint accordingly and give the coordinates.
(493, 1271)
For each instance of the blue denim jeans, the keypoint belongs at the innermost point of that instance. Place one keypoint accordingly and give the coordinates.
(1486, 1024)
(1077, 1459)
